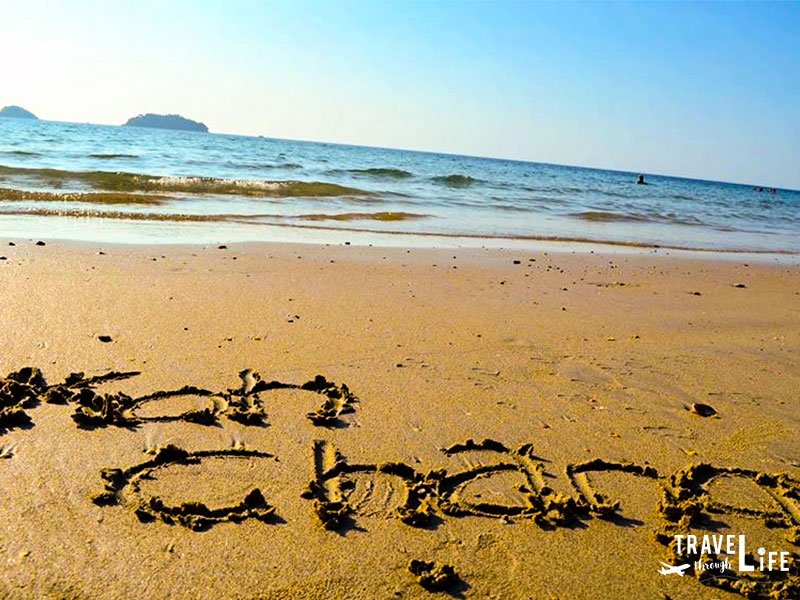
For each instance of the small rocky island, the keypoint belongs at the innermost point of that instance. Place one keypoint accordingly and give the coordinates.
(166, 122)
(17, 112)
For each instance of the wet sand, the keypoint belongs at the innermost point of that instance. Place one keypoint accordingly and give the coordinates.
(262, 480)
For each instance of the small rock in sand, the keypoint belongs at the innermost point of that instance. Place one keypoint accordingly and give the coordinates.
(739, 285)
(40, 243)
(704, 410)
(104, 338)
(433, 576)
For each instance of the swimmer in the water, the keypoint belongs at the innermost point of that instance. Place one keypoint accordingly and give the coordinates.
(641, 180)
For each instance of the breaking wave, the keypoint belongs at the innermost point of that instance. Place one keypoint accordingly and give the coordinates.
(615, 217)
(378, 172)
(180, 217)
(455, 180)
(132, 182)
(11, 195)
(112, 156)
(21, 153)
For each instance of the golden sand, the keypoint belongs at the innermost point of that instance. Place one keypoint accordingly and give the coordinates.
(281, 421)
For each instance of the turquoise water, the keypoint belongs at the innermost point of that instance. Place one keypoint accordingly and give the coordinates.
(103, 183)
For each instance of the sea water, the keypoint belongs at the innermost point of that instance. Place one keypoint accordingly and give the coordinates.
(127, 184)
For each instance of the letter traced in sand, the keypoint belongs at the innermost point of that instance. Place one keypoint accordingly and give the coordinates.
(338, 401)
(19, 390)
(340, 490)
(123, 486)
(539, 502)
(598, 504)
(687, 504)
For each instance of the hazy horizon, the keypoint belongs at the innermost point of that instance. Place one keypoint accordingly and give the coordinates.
(701, 91)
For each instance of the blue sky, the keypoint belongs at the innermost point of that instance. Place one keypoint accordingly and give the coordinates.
(699, 90)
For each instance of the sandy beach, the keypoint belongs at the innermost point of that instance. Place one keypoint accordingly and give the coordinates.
(529, 418)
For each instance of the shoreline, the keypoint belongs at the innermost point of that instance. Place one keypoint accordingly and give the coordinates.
(421, 241)
(266, 190)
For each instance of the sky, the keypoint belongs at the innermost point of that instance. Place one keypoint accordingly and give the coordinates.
(704, 90)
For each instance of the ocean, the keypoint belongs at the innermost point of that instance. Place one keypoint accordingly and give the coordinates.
(134, 185)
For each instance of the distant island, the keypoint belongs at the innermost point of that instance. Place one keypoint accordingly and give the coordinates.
(166, 122)
(17, 112)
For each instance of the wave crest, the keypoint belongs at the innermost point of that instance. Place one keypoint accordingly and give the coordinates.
(182, 217)
(246, 187)
(131, 182)
(375, 216)
(455, 180)
(21, 153)
(112, 156)
(11, 195)
(615, 217)
(383, 172)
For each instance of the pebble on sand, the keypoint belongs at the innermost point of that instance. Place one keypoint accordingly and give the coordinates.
(433, 576)
(104, 338)
(704, 410)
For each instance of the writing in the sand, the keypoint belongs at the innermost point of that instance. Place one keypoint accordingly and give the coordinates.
(342, 492)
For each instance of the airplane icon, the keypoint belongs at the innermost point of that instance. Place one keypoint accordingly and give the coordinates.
(678, 569)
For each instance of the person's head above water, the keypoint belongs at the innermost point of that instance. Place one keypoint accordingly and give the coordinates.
(641, 180)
